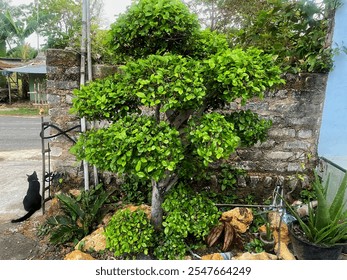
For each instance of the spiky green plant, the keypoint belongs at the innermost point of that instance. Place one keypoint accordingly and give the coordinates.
(327, 224)
(79, 216)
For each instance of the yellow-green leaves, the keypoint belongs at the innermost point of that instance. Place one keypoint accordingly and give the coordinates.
(152, 27)
(212, 137)
(133, 144)
(129, 233)
(242, 74)
(173, 81)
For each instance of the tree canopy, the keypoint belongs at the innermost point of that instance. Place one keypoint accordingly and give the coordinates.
(161, 104)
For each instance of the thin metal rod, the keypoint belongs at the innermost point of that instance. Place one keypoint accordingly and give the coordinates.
(82, 83)
(90, 72)
(43, 166)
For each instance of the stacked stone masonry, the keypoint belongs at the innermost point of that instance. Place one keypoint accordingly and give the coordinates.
(287, 156)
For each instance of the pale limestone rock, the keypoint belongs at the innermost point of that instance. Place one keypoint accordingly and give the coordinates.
(239, 218)
(145, 208)
(253, 256)
(283, 252)
(96, 241)
(78, 255)
(215, 256)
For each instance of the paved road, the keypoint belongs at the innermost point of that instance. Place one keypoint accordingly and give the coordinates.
(19, 133)
(20, 154)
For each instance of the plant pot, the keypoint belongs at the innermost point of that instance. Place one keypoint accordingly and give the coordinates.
(269, 245)
(304, 250)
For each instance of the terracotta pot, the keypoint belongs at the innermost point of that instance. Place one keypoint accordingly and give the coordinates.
(304, 250)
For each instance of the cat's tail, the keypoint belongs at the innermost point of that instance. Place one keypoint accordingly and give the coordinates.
(25, 217)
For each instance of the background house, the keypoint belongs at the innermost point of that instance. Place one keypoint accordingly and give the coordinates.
(35, 70)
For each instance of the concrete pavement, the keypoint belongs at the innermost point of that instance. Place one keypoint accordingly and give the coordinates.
(20, 154)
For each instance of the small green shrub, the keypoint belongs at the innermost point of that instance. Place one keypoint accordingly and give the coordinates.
(188, 216)
(254, 246)
(189, 213)
(129, 233)
(169, 247)
(80, 215)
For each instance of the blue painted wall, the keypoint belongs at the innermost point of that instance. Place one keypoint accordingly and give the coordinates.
(333, 134)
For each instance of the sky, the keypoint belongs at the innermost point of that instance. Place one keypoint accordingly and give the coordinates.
(110, 10)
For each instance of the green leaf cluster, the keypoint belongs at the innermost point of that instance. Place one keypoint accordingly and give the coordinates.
(187, 215)
(171, 81)
(80, 215)
(161, 105)
(105, 99)
(249, 126)
(296, 31)
(133, 144)
(242, 74)
(327, 224)
(134, 190)
(212, 137)
(153, 27)
(129, 233)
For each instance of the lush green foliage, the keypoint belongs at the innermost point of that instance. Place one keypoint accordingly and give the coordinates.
(255, 246)
(134, 190)
(187, 215)
(327, 224)
(16, 25)
(135, 144)
(296, 31)
(169, 247)
(80, 215)
(172, 83)
(161, 104)
(129, 233)
(241, 74)
(165, 26)
(212, 137)
(249, 127)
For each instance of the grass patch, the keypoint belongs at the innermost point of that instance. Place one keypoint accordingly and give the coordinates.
(28, 110)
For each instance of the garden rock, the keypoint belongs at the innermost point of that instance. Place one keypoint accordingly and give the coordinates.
(239, 218)
(145, 208)
(281, 235)
(96, 241)
(283, 252)
(215, 256)
(78, 255)
(253, 256)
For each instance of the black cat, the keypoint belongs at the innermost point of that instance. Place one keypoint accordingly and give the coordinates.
(32, 200)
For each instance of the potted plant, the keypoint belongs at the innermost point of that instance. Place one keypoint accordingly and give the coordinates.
(266, 236)
(322, 233)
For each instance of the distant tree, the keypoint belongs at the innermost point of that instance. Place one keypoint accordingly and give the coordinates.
(4, 32)
(61, 21)
(16, 26)
(223, 15)
(18, 29)
(298, 31)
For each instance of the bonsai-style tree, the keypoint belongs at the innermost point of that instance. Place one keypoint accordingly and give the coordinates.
(162, 104)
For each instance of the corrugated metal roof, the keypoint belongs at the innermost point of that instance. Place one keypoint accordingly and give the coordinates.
(35, 66)
(29, 69)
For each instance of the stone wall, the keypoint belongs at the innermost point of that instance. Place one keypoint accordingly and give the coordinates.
(290, 153)
(287, 157)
